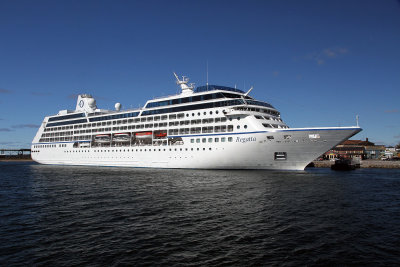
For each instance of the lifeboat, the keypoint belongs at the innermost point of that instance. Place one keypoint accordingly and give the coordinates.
(143, 135)
(162, 134)
(122, 137)
(102, 138)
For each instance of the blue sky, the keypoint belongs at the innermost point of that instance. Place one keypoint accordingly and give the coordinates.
(320, 63)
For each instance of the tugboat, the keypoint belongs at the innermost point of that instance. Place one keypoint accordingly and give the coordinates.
(343, 165)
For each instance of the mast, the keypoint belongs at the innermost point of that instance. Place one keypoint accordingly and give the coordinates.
(186, 89)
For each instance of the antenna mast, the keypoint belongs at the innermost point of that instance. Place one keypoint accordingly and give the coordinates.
(207, 76)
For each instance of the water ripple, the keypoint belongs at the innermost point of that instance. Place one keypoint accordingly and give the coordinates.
(55, 215)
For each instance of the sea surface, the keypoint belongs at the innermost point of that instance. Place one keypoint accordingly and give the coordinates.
(100, 216)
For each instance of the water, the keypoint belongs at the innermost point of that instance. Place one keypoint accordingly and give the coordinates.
(55, 215)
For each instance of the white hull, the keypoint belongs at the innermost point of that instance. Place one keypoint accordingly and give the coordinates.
(246, 151)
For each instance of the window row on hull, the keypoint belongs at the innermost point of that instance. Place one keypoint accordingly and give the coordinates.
(190, 99)
(67, 117)
(114, 117)
(194, 107)
(182, 131)
(61, 123)
(162, 111)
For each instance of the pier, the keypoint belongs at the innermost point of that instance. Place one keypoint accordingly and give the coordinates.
(369, 163)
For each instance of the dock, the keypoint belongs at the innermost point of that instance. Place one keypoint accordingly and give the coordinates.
(369, 163)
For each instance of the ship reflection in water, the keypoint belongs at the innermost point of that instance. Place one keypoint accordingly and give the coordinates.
(53, 215)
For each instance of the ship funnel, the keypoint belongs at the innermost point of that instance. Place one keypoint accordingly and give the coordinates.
(86, 103)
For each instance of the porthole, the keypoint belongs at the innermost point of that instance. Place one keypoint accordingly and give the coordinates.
(245, 126)
(211, 112)
(238, 127)
(217, 112)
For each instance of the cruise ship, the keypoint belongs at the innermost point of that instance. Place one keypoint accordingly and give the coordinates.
(208, 127)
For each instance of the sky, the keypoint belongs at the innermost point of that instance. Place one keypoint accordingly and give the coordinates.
(320, 63)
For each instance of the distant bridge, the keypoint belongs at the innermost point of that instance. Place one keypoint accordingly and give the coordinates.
(6, 153)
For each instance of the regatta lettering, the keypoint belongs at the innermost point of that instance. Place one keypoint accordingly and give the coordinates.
(246, 139)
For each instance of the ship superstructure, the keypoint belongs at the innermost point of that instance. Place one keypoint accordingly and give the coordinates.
(210, 127)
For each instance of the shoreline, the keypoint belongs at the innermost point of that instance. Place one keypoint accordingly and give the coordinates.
(368, 163)
(7, 160)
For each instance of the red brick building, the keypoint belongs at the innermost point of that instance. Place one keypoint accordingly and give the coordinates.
(350, 149)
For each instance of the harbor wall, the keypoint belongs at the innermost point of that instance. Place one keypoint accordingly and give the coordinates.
(370, 163)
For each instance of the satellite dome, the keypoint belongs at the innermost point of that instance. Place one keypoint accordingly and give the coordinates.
(117, 106)
(92, 103)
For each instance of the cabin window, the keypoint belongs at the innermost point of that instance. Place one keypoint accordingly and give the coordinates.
(210, 140)
(216, 140)
(230, 139)
(204, 140)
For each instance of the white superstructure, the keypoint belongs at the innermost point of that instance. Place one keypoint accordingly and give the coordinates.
(210, 127)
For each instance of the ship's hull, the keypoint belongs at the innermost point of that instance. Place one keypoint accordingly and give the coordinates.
(289, 149)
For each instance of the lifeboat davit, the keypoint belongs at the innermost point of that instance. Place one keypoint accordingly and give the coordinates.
(143, 135)
(102, 138)
(122, 137)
